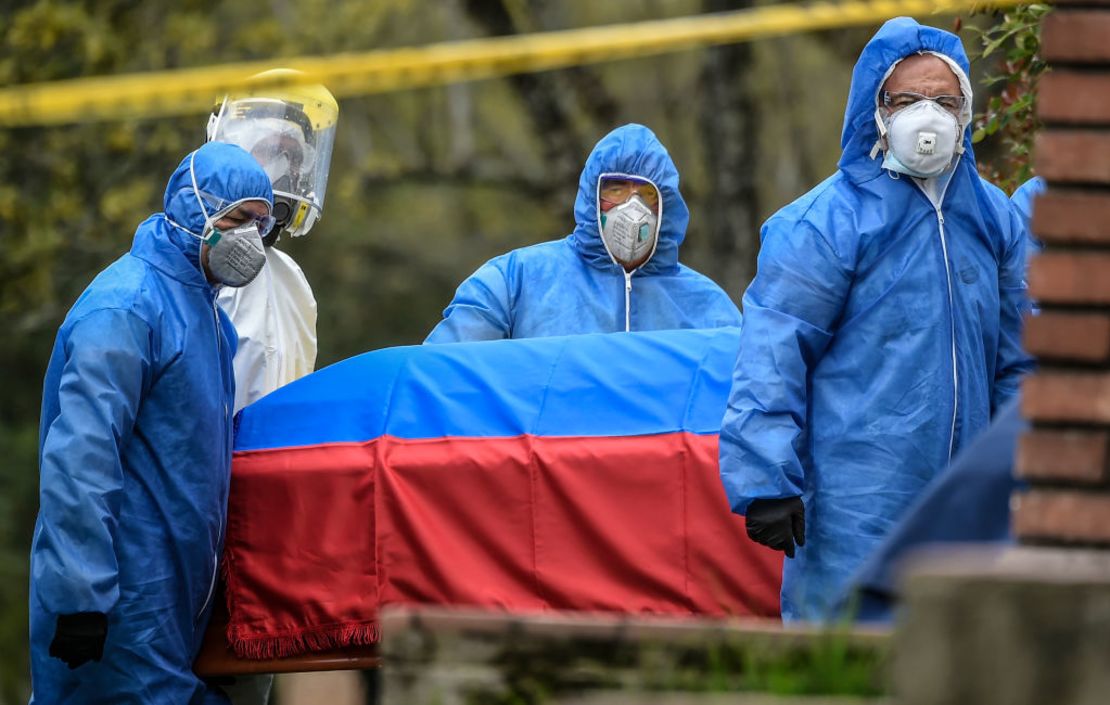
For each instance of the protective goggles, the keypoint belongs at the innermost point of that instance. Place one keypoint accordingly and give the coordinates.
(615, 189)
(220, 209)
(896, 101)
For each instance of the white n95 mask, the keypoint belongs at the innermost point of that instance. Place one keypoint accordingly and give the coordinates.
(629, 230)
(921, 139)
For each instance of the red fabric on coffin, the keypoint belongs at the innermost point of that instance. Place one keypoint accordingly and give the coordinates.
(610, 520)
(299, 552)
(455, 523)
(641, 524)
(728, 572)
(627, 524)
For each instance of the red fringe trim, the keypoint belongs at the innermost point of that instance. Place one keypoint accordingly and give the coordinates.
(312, 640)
(324, 638)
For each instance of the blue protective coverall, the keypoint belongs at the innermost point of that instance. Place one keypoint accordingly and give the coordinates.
(968, 504)
(1023, 197)
(1023, 202)
(570, 286)
(135, 457)
(880, 334)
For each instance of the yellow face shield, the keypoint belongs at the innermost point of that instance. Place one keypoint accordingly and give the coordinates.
(291, 132)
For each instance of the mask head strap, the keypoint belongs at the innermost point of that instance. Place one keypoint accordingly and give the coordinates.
(200, 201)
(196, 189)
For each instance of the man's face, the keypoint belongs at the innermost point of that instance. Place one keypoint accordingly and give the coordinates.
(243, 213)
(282, 157)
(923, 74)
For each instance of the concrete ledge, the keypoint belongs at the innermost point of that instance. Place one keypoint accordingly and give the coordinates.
(724, 699)
(1023, 627)
(453, 657)
(1018, 564)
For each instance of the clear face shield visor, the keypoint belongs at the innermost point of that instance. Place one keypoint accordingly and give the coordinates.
(293, 143)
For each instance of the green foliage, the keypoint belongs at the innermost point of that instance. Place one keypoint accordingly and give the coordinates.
(17, 482)
(1013, 46)
(830, 663)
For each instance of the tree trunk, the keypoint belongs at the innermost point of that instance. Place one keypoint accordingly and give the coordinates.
(729, 125)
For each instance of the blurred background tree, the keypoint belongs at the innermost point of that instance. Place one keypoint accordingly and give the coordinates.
(425, 184)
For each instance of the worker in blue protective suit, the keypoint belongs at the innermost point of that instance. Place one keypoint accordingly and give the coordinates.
(135, 453)
(1023, 201)
(883, 327)
(1024, 195)
(968, 504)
(618, 270)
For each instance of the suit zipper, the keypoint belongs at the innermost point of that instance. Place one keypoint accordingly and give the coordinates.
(627, 301)
(952, 323)
(951, 306)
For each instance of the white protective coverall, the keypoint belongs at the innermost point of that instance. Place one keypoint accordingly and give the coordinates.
(275, 317)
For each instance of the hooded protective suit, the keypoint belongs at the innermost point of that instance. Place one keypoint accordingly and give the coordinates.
(573, 285)
(1023, 202)
(880, 335)
(135, 457)
(1023, 197)
(968, 504)
(275, 318)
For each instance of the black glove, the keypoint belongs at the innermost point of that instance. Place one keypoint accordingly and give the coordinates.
(79, 637)
(777, 523)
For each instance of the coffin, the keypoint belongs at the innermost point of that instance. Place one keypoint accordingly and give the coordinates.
(564, 473)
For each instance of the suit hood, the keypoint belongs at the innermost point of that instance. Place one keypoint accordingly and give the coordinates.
(633, 150)
(895, 40)
(225, 171)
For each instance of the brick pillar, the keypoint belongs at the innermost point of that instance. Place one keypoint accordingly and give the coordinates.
(1066, 457)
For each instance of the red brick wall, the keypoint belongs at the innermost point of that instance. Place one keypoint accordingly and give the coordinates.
(1066, 457)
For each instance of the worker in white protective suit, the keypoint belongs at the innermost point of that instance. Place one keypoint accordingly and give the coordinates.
(290, 131)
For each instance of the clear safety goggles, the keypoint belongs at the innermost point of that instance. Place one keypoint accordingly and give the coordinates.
(896, 101)
(218, 209)
(615, 189)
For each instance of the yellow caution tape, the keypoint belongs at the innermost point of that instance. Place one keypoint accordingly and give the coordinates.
(186, 91)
